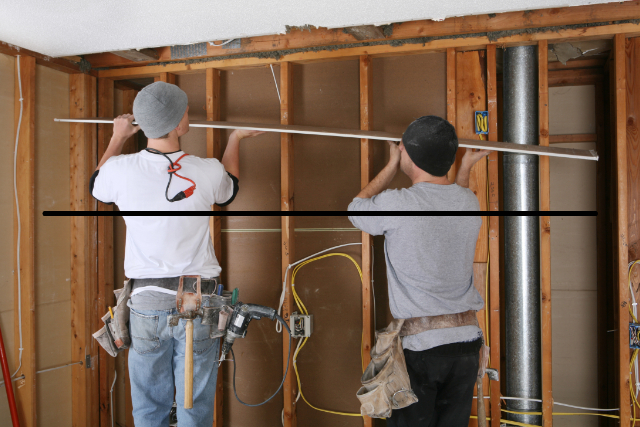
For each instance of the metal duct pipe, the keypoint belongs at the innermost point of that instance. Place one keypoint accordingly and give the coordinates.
(521, 235)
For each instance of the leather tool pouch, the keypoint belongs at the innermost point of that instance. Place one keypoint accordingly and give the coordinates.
(114, 335)
(385, 382)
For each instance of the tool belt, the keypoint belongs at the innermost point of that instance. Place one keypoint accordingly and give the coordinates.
(385, 382)
(114, 335)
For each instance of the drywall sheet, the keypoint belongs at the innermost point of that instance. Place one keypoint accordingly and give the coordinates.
(52, 245)
(573, 258)
(7, 136)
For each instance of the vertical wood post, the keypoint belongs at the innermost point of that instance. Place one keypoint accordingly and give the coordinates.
(85, 389)
(494, 238)
(451, 99)
(545, 234)
(105, 252)
(622, 311)
(25, 177)
(366, 172)
(213, 150)
(165, 77)
(288, 241)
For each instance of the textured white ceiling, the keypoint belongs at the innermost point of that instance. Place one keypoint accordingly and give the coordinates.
(76, 27)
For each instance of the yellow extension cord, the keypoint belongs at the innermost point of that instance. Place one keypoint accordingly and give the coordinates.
(303, 309)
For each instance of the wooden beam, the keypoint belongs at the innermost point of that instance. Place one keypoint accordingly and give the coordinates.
(374, 49)
(84, 383)
(376, 135)
(365, 32)
(471, 96)
(105, 272)
(622, 328)
(579, 137)
(451, 100)
(480, 282)
(288, 231)
(165, 77)
(60, 64)
(366, 174)
(578, 63)
(633, 145)
(138, 55)
(582, 77)
(518, 21)
(24, 283)
(545, 235)
(494, 238)
(215, 223)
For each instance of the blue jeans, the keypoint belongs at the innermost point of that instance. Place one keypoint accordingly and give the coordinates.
(156, 364)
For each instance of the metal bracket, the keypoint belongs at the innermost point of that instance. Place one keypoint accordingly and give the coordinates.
(87, 361)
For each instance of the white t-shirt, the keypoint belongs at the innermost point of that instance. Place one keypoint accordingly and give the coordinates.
(165, 246)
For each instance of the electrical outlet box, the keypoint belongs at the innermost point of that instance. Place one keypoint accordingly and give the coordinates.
(481, 119)
(301, 325)
(634, 335)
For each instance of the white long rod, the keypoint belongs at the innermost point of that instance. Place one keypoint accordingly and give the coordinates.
(570, 153)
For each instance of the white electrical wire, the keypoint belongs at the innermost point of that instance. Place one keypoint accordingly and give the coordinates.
(221, 44)
(111, 394)
(276, 82)
(15, 191)
(286, 274)
(634, 306)
(21, 377)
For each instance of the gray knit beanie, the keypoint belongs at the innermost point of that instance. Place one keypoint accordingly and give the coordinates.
(158, 108)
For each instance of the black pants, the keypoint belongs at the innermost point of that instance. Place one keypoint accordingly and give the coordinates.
(443, 378)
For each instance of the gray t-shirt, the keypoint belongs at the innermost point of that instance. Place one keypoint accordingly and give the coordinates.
(429, 258)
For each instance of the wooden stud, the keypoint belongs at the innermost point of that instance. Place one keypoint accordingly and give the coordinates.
(545, 235)
(25, 173)
(165, 77)
(451, 99)
(520, 20)
(471, 97)
(84, 383)
(215, 223)
(579, 137)
(494, 238)
(622, 328)
(633, 145)
(105, 289)
(288, 231)
(366, 174)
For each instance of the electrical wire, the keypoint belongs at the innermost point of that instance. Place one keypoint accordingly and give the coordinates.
(302, 342)
(111, 394)
(286, 272)
(221, 44)
(15, 191)
(281, 320)
(275, 81)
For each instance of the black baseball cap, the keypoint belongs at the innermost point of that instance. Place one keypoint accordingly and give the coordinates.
(431, 144)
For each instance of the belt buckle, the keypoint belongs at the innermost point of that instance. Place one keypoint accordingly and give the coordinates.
(189, 301)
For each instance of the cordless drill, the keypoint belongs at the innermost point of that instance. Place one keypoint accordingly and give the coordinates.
(239, 322)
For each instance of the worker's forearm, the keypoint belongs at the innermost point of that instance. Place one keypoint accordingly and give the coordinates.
(379, 183)
(113, 149)
(462, 177)
(231, 157)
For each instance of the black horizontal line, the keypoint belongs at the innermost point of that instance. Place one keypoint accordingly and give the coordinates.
(318, 213)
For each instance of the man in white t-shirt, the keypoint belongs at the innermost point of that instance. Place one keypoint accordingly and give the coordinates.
(160, 249)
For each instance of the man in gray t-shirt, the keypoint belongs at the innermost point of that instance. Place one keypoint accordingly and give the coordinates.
(430, 267)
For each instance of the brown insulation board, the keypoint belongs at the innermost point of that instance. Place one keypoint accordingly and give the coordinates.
(251, 263)
(7, 136)
(195, 141)
(404, 89)
(330, 364)
(327, 169)
(52, 248)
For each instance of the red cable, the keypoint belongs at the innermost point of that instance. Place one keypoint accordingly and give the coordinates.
(8, 384)
(176, 167)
